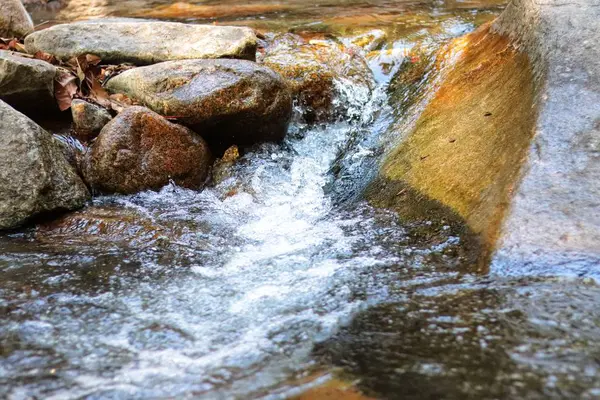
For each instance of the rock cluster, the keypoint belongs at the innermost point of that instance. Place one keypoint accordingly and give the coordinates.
(195, 92)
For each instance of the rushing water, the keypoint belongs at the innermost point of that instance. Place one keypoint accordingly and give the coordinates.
(242, 289)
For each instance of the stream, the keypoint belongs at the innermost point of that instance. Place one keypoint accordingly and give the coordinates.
(281, 272)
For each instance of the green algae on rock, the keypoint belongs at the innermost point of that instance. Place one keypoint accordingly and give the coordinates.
(143, 42)
(35, 178)
(229, 101)
(140, 150)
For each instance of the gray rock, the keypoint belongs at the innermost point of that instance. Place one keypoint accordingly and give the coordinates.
(140, 150)
(228, 101)
(88, 118)
(143, 42)
(14, 19)
(26, 84)
(554, 222)
(34, 176)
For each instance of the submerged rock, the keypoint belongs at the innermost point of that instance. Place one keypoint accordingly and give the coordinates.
(88, 118)
(111, 224)
(317, 70)
(229, 101)
(27, 84)
(14, 19)
(140, 150)
(143, 42)
(34, 176)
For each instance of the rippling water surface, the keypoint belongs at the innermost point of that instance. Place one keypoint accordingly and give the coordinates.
(281, 271)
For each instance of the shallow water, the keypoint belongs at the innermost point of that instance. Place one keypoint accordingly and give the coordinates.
(244, 289)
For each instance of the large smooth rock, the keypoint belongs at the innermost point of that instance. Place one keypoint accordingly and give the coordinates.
(14, 19)
(462, 156)
(35, 178)
(26, 84)
(508, 144)
(140, 150)
(554, 221)
(327, 78)
(229, 101)
(143, 42)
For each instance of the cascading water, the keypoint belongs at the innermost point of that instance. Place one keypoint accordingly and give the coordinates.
(278, 271)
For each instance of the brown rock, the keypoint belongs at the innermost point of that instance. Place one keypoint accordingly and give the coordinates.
(88, 118)
(140, 150)
(315, 69)
(230, 101)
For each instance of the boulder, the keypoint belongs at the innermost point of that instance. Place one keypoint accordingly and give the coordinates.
(88, 118)
(508, 144)
(143, 42)
(327, 78)
(27, 84)
(35, 178)
(140, 150)
(553, 225)
(14, 19)
(229, 101)
(460, 159)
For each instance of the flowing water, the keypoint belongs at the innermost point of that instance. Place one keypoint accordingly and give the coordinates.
(281, 271)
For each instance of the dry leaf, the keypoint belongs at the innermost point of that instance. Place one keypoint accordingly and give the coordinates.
(65, 89)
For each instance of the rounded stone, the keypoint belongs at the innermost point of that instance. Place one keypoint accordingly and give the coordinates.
(140, 150)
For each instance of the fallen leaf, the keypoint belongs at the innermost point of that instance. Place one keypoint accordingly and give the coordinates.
(65, 89)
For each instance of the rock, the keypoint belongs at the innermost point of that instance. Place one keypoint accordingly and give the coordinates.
(102, 224)
(88, 118)
(229, 101)
(143, 42)
(508, 145)
(369, 41)
(27, 84)
(462, 156)
(326, 78)
(222, 168)
(140, 150)
(35, 178)
(14, 19)
(553, 225)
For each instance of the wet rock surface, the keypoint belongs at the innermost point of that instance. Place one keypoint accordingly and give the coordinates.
(229, 101)
(88, 118)
(143, 42)
(466, 147)
(316, 70)
(14, 19)
(27, 84)
(35, 178)
(140, 150)
(554, 223)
